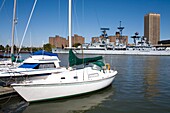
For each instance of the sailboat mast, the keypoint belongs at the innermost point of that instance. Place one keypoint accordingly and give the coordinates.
(70, 23)
(13, 27)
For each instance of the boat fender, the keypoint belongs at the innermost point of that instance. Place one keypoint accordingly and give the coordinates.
(107, 66)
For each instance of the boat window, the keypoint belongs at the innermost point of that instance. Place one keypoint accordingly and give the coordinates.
(75, 77)
(62, 77)
(102, 45)
(93, 75)
(28, 65)
(46, 65)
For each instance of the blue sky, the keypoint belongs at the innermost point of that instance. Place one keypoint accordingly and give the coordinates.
(50, 18)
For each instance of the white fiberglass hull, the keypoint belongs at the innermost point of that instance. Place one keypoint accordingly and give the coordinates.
(8, 77)
(45, 91)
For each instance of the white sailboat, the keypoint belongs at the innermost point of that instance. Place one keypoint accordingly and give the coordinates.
(70, 82)
(94, 75)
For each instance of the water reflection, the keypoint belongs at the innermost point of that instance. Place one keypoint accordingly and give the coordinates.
(141, 85)
(74, 104)
(12, 104)
(151, 77)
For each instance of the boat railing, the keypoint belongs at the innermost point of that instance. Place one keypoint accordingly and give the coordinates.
(13, 75)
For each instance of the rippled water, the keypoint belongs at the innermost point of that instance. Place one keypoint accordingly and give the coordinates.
(142, 85)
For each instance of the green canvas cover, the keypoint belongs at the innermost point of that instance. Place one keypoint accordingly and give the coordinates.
(99, 63)
(74, 60)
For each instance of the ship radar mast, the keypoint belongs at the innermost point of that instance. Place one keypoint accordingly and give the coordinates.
(104, 32)
(120, 39)
(136, 36)
(120, 28)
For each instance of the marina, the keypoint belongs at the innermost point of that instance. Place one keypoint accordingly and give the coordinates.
(142, 85)
(107, 75)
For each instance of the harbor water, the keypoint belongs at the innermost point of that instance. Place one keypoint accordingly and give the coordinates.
(142, 85)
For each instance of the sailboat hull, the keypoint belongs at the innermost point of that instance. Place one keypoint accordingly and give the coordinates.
(39, 92)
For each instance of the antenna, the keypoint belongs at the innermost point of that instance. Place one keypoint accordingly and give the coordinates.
(120, 38)
(135, 37)
(104, 32)
(120, 28)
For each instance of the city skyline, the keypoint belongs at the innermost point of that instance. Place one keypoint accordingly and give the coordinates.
(50, 18)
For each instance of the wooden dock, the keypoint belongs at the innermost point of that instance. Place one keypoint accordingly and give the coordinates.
(6, 91)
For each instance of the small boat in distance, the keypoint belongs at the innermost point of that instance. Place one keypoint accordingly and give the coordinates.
(93, 76)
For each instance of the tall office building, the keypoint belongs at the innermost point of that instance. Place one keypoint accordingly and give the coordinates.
(152, 28)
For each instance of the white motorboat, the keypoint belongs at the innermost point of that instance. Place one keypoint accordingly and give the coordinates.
(71, 82)
(38, 66)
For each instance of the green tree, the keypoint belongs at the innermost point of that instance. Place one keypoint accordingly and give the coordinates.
(76, 44)
(2, 48)
(7, 48)
(35, 49)
(15, 49)
(47, 47)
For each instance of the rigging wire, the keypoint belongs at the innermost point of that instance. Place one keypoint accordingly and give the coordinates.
(27, 24)
(59, 11)
(75, 12)
(6, 12)
(65, 29)
(30, 43)
(98, 22)
(16, 35)
(83, 12)
(2, 5)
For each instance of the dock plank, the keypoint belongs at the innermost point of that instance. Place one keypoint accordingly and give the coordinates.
(6, 91)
